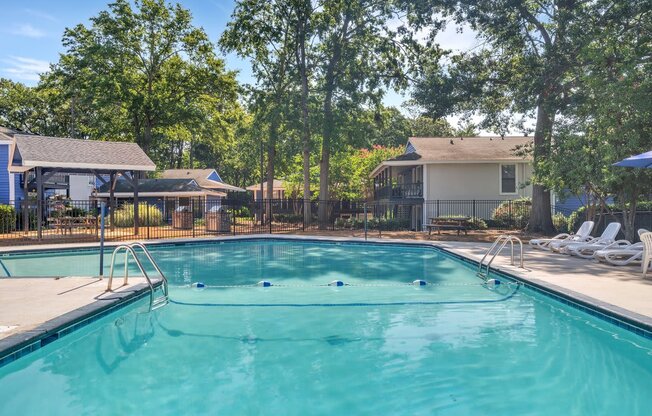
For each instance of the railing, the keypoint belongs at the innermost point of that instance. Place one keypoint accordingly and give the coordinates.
(495, 249)
(66, 221)
(130, 249)
(400, 191)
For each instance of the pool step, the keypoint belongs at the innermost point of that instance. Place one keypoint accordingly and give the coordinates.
(160, 302)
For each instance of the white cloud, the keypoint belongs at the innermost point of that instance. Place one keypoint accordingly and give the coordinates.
(27, 30)
(25, 69)
(41, 14)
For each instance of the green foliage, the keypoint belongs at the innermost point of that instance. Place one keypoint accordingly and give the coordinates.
(382, 224)
(475, 223)
(7, 219)
(512, 214)
(148, 215)
(288, 218)
(561, 223)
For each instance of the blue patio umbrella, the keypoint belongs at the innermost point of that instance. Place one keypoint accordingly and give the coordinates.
(644, 160)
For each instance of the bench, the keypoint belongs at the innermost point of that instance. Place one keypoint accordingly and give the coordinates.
(446, 223)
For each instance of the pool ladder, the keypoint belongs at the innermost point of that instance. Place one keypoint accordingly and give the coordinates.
(154, 303)
(495, 249)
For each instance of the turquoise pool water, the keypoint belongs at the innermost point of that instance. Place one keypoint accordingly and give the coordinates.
(377, 346)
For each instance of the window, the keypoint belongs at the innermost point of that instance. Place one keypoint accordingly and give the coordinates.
(507, 179)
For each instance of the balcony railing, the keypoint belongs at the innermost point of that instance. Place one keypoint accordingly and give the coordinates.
(400, 191)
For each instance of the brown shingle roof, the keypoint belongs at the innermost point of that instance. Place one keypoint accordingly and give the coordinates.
(83, 154)
(447, 149)
(276, 185)
(200, 176)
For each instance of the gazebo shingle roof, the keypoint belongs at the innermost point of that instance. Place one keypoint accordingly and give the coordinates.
(45, 151)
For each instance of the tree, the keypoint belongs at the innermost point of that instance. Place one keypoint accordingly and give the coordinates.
(611, 119)
(526, 66)
(262, 31)
(144, 71)
(357, 55)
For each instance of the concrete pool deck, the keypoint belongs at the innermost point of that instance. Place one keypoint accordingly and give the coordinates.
(618, 289)
(32, 307)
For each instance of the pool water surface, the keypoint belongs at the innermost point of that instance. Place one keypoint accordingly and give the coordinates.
(378, 345)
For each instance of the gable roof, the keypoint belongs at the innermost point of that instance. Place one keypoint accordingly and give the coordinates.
(447, 149)
(277, 185)
(29, 151)
(201, 176)
(157, 187)
(423, 150)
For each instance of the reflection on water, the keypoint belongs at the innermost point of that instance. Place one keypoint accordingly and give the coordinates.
(522, 355)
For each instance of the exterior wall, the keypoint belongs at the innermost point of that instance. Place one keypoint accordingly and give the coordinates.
(5, 176)
(81, 187)
(468, 181)
(215, 177)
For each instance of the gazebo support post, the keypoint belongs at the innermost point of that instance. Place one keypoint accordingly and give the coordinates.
(39, 202)
(26, 202)
(112, 180)
(134, 177)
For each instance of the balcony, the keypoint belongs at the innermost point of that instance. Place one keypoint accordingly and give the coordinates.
(400, 191)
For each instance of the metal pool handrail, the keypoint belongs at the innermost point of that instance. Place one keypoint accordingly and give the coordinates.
(130, 249)
(500, 242)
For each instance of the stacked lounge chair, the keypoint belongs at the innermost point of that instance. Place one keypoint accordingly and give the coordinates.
(588, 248)
(622, 254)
(583, 234)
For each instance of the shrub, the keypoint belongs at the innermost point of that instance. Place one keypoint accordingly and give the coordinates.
(475, 223)
(515, 213)
(149, 215)
(7, 219)
(560, 221)
(289, 218)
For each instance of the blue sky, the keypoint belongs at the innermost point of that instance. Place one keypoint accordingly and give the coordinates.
(30, 39)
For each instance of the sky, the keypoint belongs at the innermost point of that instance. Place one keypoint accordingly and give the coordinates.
(30, 38)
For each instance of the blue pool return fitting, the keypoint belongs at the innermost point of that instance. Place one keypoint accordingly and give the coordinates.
(199, 285)
(264, 283)
(419, 282)
(493, 283)
(336, 283)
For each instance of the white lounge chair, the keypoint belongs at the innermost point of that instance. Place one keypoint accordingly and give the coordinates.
(583, 234)
(646, 239)
(622, 255)
(587, 249)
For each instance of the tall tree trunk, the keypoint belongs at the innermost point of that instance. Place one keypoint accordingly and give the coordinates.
(271, 155)
(541, 213)
(300, 50)
(327, 128)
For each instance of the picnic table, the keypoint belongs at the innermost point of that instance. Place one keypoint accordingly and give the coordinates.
(66, 224)
(449, 223)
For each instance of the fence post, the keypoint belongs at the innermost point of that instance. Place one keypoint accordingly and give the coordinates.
(102, 209)
(437, 209)
(365, 221)
(192, 211)
(149, 222)
(233, 215)
(474, 219)
(303, 215)
(269, 201)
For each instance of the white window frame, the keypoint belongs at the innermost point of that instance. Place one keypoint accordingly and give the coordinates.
(500, 178)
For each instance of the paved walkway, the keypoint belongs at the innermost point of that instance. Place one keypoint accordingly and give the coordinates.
(622, 287)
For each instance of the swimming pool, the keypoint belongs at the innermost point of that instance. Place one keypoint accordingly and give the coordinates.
(376, 346)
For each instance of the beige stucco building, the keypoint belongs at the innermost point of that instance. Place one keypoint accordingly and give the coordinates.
(455, 176)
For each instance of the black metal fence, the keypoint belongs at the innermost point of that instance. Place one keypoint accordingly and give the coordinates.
(54, 221)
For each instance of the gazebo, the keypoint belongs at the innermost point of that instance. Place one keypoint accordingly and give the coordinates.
(47, 156)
